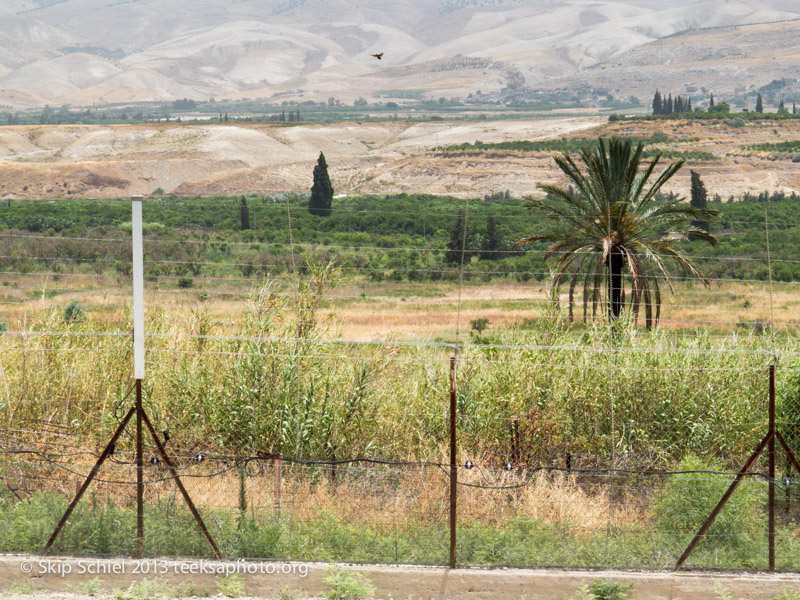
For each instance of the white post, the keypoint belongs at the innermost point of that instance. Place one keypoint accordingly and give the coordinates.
(138, 288)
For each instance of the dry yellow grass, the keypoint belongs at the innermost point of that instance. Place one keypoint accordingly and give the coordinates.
(409, 311)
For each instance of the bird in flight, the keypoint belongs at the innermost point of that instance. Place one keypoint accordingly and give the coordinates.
(379, 56)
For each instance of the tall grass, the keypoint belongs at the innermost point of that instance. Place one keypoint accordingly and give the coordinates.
(281, 386)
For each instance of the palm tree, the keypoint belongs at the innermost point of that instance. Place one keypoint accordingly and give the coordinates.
(611, 221)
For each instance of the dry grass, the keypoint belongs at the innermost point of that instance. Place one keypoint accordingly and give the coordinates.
(408, 311)
(406, 497)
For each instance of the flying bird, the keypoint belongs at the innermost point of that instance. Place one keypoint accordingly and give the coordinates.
(379, 56)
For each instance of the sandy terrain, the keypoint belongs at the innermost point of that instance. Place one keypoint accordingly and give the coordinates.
(103, 161)
(386, 157)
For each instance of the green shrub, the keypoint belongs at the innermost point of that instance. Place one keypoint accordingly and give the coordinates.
(603, 590)
(735, 122)
(479, 324)
(609, 590)
(231, 586)
(347, 585)
(146, 589)
(74, 312)
(288, 593)
(87, 588)
(185, 282)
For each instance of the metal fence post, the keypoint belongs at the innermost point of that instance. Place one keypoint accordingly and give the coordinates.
(453, 468)
(771, 471)
(276, 465)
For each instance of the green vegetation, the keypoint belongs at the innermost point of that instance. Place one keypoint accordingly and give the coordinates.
(347, 585)
(108, 529)
(228, 400)
(279, 384)
(775, 147)
(74, 312)
(92, 587)
(611, 222)
(395, 238)
(605, 590)
(684, 503)
(578, 145)
(721, 112)
(146, 589)
(232, 586)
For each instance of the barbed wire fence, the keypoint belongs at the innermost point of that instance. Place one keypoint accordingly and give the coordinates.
(574, 449)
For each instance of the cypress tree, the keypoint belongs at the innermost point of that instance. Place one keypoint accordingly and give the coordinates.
(669, 106)
(322, 190)
(244, 214)
(759, 104)
(711, 103)
(699, 199)
(688, 105)
(493, 242)
(456, 245)
(657, 108)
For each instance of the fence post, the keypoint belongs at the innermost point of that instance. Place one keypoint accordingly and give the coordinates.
(771, 471)
(453, 468)
(139, 474)
(276, 488)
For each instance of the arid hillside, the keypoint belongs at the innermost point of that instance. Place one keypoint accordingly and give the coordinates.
(85, 52)
(723, 60)
(206, 159)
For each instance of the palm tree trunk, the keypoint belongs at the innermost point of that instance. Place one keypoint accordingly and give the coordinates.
(616, 261)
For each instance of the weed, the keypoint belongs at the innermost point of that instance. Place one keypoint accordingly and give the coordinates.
(232, 586)
(22, 588)
(609, 590)
(347, 585)
(74, 312)
(87, 588)
(288, 593)
(479, 324)
(146, 589)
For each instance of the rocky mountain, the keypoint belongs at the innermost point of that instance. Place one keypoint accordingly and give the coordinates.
(84, 52)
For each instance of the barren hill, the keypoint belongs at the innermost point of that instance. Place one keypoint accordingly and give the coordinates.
(387, 157)
(714, 58)
(94, 51)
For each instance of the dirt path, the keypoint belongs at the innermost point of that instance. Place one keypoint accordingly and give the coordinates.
(267, 579)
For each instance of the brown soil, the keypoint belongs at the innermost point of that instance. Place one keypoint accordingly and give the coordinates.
(207, 159)
(401, 581)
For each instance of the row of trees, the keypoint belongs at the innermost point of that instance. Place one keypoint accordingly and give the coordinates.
(465, 241)
(668, 106)
(680, 104)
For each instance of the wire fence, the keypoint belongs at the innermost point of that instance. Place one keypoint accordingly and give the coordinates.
(385, 512)
(304, 382)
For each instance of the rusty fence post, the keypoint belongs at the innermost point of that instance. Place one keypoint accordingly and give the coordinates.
(453, 467)
(276, 487)
(771, 472)
(139, 474)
